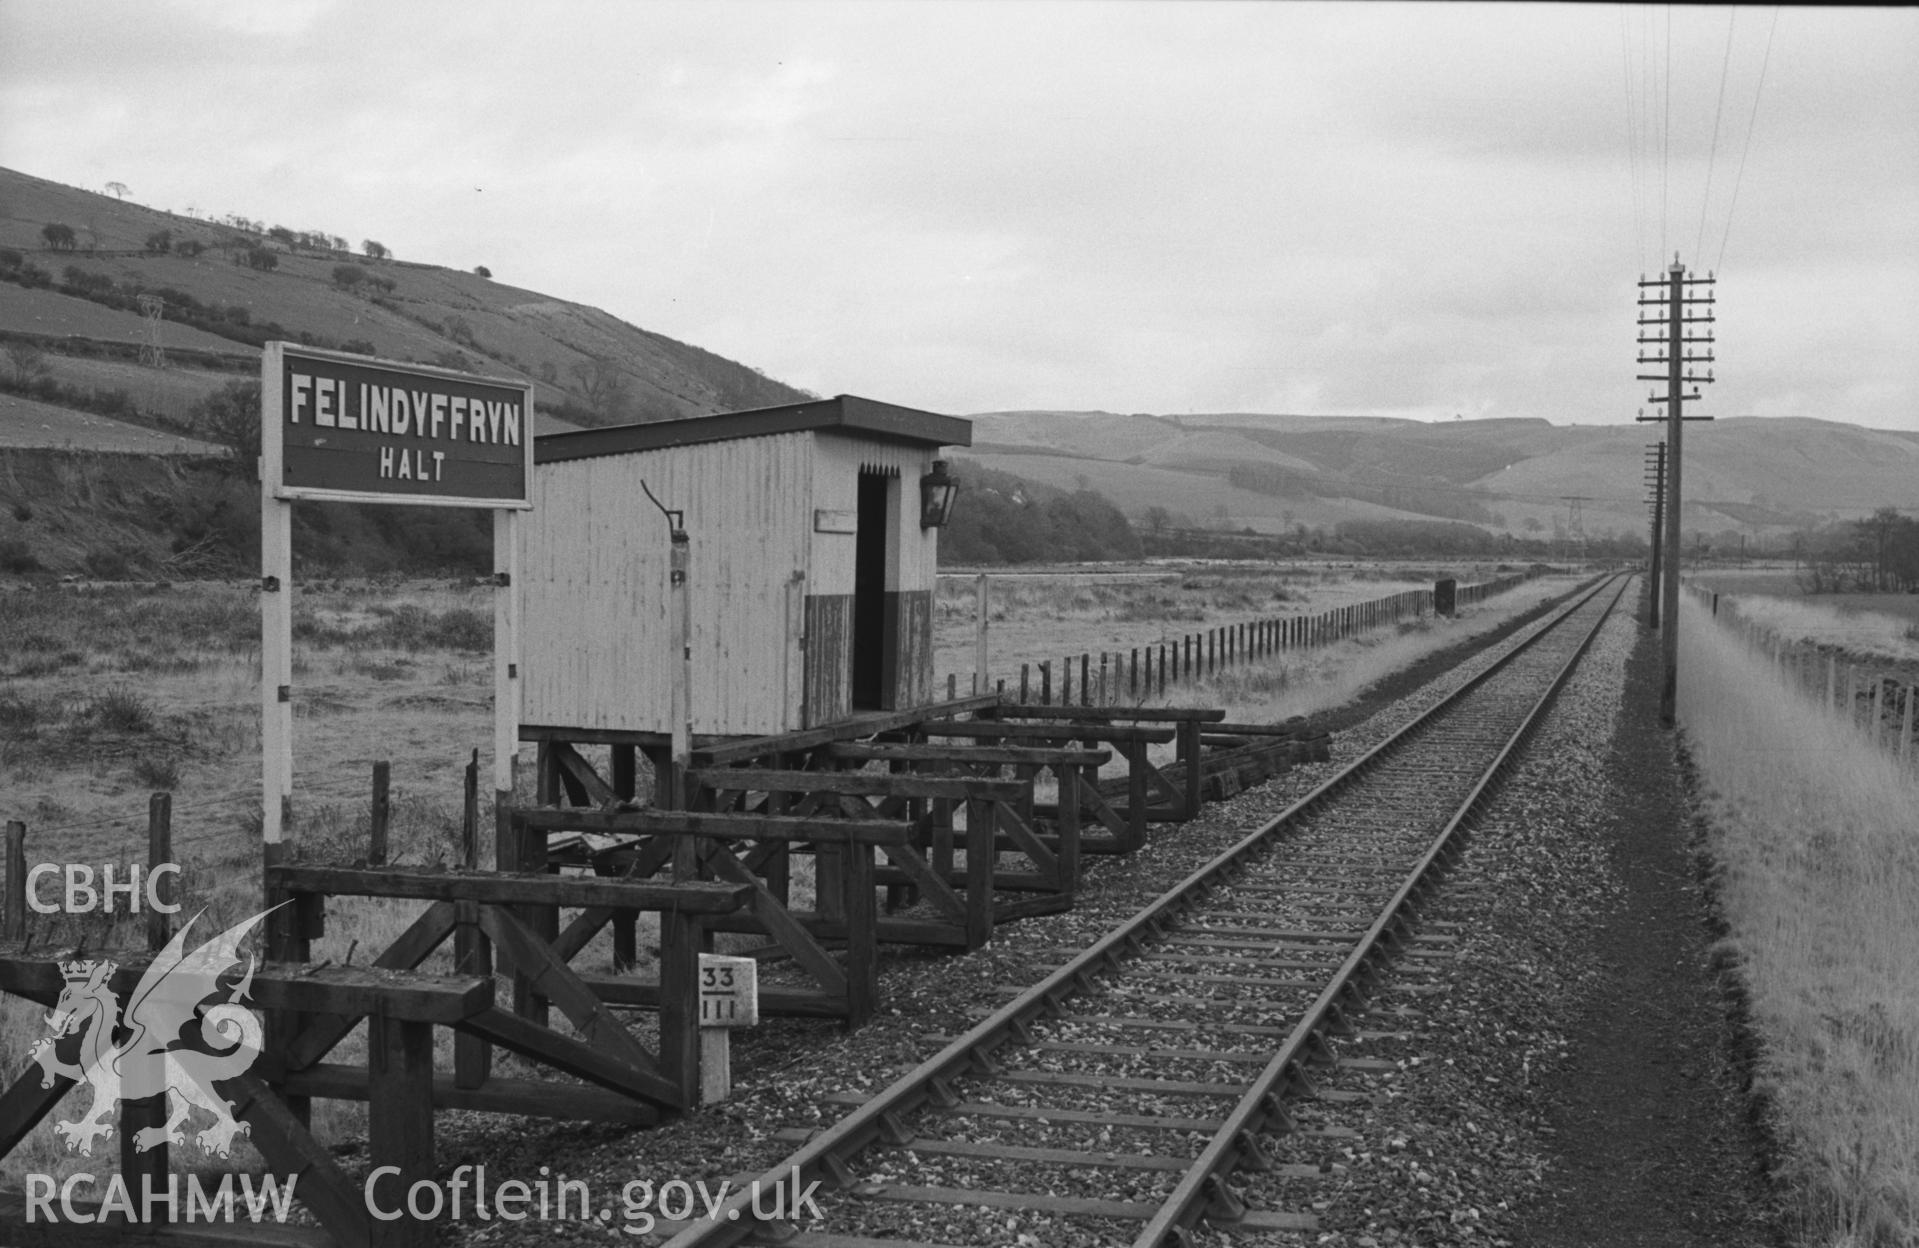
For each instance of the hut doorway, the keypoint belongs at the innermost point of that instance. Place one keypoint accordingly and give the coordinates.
(870, 643)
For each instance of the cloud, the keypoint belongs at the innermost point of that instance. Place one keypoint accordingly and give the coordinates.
(1422, 208)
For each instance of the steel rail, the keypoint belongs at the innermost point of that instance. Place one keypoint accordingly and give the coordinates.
(1203, 1189)
(880, 1119)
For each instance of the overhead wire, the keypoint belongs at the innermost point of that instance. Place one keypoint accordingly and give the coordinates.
(1751, 124)
(1665, 143)
(1647, 145)
(1632, 142)
(1712, 154)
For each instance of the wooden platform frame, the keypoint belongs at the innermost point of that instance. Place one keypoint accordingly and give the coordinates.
(734, 849)
(404, 1006)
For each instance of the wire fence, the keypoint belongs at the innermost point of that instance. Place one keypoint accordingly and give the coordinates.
(1876, 702)
(1130, 676)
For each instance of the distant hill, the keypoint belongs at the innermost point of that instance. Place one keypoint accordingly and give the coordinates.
(588, 367)
(1273, 472)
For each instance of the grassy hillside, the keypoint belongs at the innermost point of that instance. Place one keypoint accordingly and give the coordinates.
(24, 423)
(1194, 498)
(100, 472)
(587, 366)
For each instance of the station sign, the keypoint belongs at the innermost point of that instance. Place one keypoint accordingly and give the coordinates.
(729, 991)
(342, 426)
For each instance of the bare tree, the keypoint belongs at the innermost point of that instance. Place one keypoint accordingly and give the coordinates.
(603, 386)
(1875, 539)
(117, 189)
(29, 362)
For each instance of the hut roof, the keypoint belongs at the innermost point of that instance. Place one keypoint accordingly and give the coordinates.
(845, 413)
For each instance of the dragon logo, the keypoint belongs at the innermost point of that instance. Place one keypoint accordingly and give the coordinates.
(176, 1038)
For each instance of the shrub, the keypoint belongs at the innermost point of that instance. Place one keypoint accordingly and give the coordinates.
(189, 247)
(347, 276)
(59, 237)
(120, 710)
(179, 302)
(21, 715)
(106, 565)
(10, 259)
(15, 557)
(461, 629)
(160, 242)
(158, 772)
(262, 259)
(22, 512)
(480, 270)
(90, 285)
(231, 417)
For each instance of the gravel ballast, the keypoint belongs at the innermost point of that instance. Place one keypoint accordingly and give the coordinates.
(1474, 1122)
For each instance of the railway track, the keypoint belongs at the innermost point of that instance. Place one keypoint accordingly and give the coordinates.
(1207, 1011)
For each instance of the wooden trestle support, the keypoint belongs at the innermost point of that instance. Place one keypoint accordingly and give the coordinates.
(940, 808)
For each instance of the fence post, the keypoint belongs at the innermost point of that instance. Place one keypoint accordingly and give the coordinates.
(1905, 733)
(1878, 706)
(160, 850)
(1085, 680)
(16, 882)
(1132, 684)
(1046, 683)
(1023, 686)
(1102, 679)
(16, 908)
(140, 1113)
(473, 953)
(1066, 682)
(382, 814)
(980, 609)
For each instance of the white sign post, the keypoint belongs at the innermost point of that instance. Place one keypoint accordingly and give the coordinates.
(334, 425)
(729, 998)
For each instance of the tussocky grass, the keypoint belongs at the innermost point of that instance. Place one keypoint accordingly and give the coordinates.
(1817, 873)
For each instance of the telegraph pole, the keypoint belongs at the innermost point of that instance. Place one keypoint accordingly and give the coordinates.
(1672, 345)
(1656, 462)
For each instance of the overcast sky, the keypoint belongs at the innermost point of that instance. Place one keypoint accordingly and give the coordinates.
(1419, 210)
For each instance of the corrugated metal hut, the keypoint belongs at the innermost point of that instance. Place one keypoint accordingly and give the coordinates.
(811, 580)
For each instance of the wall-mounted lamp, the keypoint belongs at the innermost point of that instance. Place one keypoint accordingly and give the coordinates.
(937, 492)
